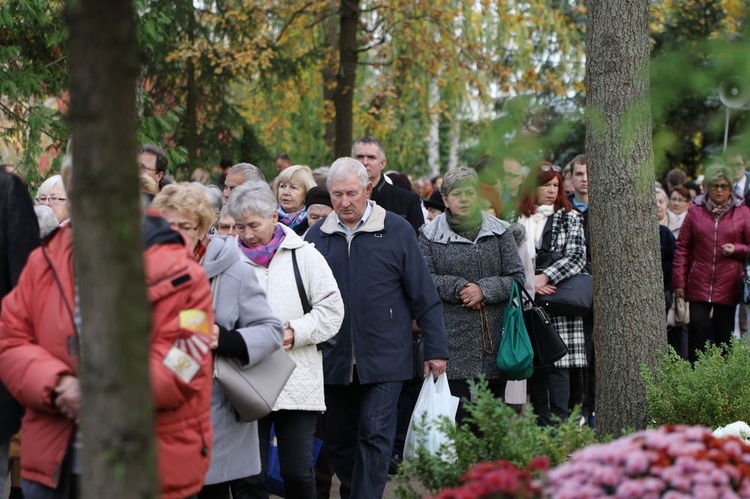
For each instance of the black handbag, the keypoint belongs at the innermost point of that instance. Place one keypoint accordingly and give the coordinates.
(329, 343)
(574, 296)
(545, 340)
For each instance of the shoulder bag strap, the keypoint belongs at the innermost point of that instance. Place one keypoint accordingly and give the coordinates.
(300, 287)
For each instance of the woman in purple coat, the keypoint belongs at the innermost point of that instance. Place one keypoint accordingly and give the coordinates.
(708, 262)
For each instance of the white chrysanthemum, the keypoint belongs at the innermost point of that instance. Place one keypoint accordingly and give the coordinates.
(738, 429)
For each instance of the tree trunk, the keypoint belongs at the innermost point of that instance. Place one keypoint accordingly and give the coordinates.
(344, 98)
(433, 144)
(455, 134)
(117, 419)
(630, 327)
(191, 103)
(330, 70)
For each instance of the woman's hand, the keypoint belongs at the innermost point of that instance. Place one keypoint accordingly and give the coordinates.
(68, 397)
(727, 249)
(472, 295)
(214, 337)
(288, 338)
(542, 285)
(679, 293)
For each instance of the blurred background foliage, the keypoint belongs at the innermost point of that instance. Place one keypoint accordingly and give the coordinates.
(441, 83)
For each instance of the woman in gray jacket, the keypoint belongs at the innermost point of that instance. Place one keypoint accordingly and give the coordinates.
(473, 258)
(247, 329)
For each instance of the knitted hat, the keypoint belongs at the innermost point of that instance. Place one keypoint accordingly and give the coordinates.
(318, 195)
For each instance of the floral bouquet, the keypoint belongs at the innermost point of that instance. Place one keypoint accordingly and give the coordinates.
(668, 462)
(499, 480)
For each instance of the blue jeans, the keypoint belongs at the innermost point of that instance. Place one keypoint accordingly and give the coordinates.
(360, 424)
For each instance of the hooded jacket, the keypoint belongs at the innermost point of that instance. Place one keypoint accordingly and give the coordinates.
(37, 330)
(240, 305)
(700, 268)
(385, 283)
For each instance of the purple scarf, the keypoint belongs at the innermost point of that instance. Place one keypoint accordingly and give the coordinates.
(262, 255)
(293, 219)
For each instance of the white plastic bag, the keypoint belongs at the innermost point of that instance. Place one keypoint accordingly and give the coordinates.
(434, 402)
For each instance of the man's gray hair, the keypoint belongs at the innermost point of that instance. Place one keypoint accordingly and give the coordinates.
(249, 172)
(345, 168)
(214, 195)
(252, 198)
(459, 176)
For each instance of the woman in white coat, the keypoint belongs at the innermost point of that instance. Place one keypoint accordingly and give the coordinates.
(270, 248)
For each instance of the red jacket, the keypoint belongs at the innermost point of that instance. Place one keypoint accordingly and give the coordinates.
(699, 266)
(36, 329)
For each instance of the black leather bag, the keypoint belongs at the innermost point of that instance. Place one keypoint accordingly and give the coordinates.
(545, 340)
(574, 296)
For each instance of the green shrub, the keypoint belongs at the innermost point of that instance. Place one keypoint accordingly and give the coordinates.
(714, 392)
(492, 431)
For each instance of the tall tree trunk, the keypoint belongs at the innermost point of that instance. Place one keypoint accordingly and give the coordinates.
(330, 70)
(455, 134)
(191, 103)
(628, 302)
(344, 97)
(117, 420)
(433, 144)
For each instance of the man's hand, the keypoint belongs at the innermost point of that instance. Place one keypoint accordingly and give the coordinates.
(437, 366)
(68, 400)
(288, 338)
(472, 295)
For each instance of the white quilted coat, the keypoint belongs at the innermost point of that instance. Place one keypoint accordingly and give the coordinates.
(304, 390)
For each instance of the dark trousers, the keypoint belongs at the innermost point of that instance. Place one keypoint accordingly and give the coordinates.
(215, 491)
(460, 388)
(360, 424)
(406, 402)
(549, 391)
(294, 434)
(702, 328)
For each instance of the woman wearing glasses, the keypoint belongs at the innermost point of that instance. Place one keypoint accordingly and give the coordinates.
(52, 193)
(708, 262)
(247, 329)
(555, 242)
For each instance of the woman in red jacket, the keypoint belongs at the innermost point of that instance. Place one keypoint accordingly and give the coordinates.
(708, 261)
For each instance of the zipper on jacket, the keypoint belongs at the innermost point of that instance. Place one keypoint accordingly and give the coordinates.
(713, 264)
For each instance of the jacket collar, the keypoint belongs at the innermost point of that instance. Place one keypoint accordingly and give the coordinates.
(376, 222)
(700, 200)
(439, 231)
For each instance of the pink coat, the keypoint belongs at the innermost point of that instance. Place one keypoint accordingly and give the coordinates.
(700, 268)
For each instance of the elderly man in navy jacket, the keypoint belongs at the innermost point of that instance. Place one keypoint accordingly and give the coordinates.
(385, 282)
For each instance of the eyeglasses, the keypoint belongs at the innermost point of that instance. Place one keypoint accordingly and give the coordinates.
(720, 187)
(546, 168)
(50, 199)
(145, 169)
(186, 227)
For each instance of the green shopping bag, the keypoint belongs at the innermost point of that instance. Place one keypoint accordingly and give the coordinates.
(516, 356)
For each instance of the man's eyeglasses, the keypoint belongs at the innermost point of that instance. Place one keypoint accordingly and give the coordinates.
(720, 187)
(545, 168)
(145, 169)
(49, 199)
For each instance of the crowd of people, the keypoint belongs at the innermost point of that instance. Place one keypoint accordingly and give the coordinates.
(368, 280)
